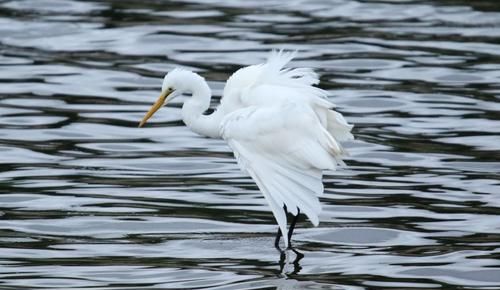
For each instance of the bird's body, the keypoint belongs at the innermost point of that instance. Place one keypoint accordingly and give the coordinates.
(281, 128)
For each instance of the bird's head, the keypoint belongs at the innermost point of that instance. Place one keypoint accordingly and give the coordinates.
(174, 84)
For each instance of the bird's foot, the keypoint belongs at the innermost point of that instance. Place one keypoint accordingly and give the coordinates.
(289, 261)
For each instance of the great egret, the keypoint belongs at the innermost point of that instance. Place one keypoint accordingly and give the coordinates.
(283, 130)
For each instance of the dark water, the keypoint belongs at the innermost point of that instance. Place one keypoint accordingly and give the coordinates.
(89, 201)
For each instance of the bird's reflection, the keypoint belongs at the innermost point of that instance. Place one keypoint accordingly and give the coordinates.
(289, 261)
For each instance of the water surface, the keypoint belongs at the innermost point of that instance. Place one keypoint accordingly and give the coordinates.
(90, 201)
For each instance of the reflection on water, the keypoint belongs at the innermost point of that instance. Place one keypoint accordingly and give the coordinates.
(90, 201)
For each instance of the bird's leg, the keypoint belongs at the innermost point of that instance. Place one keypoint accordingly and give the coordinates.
(296, 262)
(279, 234)
(277, 240)
(292, 227)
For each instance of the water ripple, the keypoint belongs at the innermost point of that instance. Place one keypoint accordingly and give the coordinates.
(88, 200)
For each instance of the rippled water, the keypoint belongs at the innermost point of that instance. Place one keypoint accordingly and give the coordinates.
(89, 201)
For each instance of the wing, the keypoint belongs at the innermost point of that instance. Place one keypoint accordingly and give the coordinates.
(271, 84)
(284, 148)
(271, 72)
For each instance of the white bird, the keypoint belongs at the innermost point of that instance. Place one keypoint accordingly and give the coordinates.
(282, 129)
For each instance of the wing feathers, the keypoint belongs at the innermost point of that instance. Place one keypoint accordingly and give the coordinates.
(338, 127)
(275, 204)
(284, 133)
(282, 185)
(284, 148)
(295, 189)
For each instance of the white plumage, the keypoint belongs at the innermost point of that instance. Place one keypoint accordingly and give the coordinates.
(282, 129)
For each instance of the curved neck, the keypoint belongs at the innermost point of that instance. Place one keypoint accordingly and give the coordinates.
(195, 106)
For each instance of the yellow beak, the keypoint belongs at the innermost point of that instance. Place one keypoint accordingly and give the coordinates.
(156, 106)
